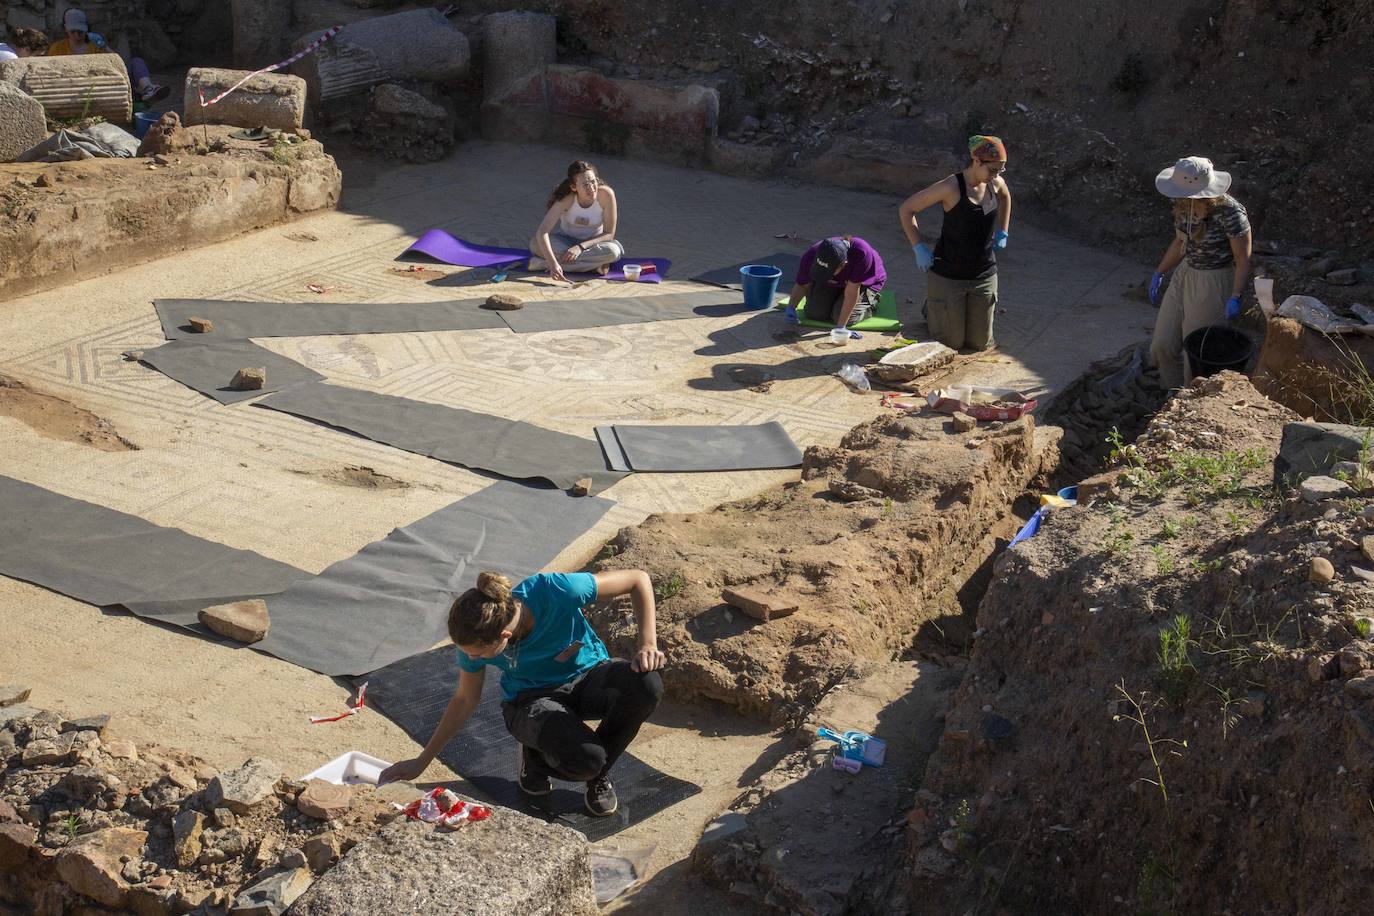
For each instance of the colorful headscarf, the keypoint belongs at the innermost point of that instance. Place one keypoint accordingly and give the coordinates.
(987, 148)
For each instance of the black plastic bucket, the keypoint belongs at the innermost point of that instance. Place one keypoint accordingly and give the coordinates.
(1217, 347)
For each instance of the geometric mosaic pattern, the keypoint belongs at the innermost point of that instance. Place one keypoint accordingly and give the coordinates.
(246, 476)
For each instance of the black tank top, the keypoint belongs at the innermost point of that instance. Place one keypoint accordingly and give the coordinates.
(964, 251)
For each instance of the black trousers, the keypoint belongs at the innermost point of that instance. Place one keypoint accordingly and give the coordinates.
(551, 720)
(823, 303)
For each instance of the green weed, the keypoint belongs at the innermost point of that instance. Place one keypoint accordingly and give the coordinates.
(1164, 563)
(670, 587)
(1176, 671)
(1169, 530)
(1363, 625)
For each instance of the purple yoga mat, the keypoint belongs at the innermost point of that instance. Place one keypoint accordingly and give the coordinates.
(439, 245)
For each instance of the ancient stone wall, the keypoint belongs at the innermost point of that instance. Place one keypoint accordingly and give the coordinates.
(163, 32)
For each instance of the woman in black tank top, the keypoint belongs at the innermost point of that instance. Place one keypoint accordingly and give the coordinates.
(964, 251)
(961, 283)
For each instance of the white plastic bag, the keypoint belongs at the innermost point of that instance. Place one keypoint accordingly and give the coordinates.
(853, 376)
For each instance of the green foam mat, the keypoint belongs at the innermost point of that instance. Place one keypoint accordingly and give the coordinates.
(883, 319)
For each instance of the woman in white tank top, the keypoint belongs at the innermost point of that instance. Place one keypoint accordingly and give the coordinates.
(578, 231)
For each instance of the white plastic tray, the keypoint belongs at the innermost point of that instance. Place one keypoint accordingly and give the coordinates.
(353, 768)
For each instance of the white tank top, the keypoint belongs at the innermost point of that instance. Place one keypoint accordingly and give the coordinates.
(582, 222)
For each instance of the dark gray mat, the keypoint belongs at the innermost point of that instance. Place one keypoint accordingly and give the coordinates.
(233, 320)
(208, 365)
(391, 599)
(474, 440)
(729, 276)
(413, 693)
(699, 448)
(105, 557)
(571, 314)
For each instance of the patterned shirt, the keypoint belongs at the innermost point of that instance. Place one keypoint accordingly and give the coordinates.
(1207, 242)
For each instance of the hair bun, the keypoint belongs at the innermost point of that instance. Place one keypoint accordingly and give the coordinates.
(494, 585)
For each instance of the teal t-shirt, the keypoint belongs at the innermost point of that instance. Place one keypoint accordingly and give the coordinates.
(556, 600)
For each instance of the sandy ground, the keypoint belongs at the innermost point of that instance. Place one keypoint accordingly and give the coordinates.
(255, 479)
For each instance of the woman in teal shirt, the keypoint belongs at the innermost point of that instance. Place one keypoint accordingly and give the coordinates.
(555, 673)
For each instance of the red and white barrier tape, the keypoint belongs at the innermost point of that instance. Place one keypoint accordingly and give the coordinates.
(353, 709)
(277, 66)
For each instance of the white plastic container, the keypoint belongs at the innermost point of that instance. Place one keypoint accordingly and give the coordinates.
(839, 336)
(632, 272)
(352, 769)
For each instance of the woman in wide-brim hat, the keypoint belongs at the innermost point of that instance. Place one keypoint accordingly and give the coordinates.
(1211, 251)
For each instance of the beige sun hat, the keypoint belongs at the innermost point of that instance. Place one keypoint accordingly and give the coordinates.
(1192, 177)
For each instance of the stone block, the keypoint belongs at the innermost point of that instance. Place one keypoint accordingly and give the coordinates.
(244, 621)
(267, 100)
(74, 86)
(1309, 449)
(272, 893)
(414, 45)
(242, 789)
(507, 864)
(250, 379)
(261, 30)
(91, 864)
(905, 364)
(406, 125)
(187, 829)
(510, 863)
(22, 124)
(516, 43)
(603, 114)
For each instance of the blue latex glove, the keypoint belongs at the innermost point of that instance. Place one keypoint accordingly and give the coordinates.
(924, 256)
(1156, 282)
(855, 335)
(789, 315)
(999, 240)
(96, 39)
(1233, 308)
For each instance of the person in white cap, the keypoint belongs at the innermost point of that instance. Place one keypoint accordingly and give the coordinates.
(81, 40)
(1211, 251)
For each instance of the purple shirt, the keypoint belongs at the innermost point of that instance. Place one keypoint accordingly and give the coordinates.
(864, 266)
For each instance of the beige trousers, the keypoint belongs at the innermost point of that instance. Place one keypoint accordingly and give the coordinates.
(1194, 299)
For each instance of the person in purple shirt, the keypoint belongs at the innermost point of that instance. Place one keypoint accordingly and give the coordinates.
(840, 279)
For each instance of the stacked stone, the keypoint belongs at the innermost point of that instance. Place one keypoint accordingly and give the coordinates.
(405, 125)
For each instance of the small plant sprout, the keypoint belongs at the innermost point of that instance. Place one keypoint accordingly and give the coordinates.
(1160, 748)
(670, 587)
(1169, 530)
(1363, 626)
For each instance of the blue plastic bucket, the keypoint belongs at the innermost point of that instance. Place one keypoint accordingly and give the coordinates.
(144, 120)
(760, 283)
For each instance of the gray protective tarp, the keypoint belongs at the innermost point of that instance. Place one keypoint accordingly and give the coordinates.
(105, 557)
(464, 437)
(698, 448)
(594, 313)
(729, 276)
(99, 141)
(233, 319)
(208, 365)
(391, 599)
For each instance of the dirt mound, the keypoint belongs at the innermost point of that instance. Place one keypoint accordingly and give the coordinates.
(56, 418)
(866, 574)
(359, 476)
(1326, 378)
(1154, 717)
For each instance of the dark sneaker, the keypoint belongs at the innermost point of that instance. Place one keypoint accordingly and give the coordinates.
(532, 780)
(601, 800)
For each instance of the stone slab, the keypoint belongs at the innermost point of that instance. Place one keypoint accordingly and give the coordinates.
(468, 871)
(275, 100)
(22, 124)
